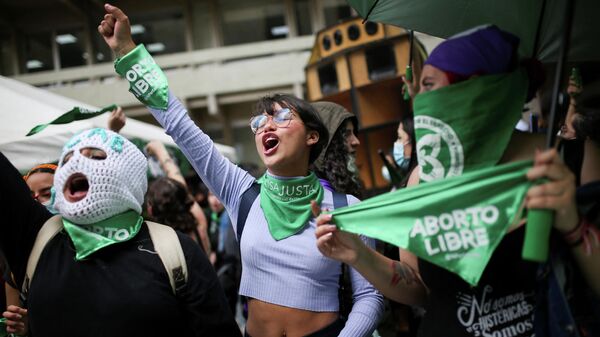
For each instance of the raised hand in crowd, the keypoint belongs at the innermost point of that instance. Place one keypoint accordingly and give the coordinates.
(16, 320)
(117, 119)
(116, 31)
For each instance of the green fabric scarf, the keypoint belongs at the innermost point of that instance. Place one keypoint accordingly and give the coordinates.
(75, 114)
(467, 126)
(455, 223)
(88, 239)
(146, 80)
(286, 203)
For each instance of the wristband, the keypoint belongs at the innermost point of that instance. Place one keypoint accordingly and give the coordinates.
(585, 233)
(146, 80)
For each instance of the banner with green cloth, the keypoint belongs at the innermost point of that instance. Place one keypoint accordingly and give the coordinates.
(467, 125)
(88, 239)
(75, 114)
(146, 80)
(455, 223)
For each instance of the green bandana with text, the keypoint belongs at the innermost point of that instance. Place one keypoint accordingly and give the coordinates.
(88, 239)
(75, 114)
(286, 203)
(455, 223)
(467, 125)
(146, 80)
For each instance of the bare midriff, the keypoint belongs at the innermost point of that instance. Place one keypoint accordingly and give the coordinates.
(271, 320)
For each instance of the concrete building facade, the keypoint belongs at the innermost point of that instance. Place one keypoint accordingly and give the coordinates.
(220, 56)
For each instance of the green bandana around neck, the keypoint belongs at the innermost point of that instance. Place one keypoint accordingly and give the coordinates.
(455, 223)
(286, 203)
(75, 114)
(146, 80)
(467, 126)
(88, 239)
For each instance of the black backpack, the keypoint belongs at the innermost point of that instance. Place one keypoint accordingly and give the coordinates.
(339, 201)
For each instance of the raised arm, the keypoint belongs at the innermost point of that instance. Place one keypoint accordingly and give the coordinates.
(22, 218)
(558, 194)
(222, 177)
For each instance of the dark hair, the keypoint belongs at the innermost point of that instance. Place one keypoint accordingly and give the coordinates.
(307, 113)
(408, 125)
(335, 165)
(196, 186)
(171, 203)
(587, 123)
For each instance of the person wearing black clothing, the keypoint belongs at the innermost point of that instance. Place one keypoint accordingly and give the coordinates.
(118, 290)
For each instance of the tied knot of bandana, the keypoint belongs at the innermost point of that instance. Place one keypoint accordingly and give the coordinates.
(286, 203)
(88, 239)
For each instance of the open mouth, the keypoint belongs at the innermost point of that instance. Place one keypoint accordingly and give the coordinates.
(270, 143)
(76, 188)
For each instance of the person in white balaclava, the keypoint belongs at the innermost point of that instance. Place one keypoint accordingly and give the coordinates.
(100, 275)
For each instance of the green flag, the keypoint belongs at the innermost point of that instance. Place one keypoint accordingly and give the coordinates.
(455, 223)
(467, 126)
(76, 114)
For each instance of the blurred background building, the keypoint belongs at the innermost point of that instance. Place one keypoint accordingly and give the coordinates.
(220, 56)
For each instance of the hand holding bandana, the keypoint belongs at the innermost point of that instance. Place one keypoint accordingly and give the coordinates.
(455, 223)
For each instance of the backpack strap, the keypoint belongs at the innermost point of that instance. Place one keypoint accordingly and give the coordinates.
(167, 246)
(339, 200)
(49, 230)
(246, 202)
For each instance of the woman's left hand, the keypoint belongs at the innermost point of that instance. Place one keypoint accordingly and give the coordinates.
(557, 194)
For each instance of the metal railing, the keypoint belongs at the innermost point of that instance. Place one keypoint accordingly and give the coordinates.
(105, 71)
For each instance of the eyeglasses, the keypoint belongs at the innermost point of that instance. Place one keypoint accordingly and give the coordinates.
(281, 118)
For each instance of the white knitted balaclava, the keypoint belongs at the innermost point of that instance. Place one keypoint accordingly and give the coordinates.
(116, 184)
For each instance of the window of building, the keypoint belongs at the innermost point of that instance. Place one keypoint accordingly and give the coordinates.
(251, 21)
(37, 53)
(161, 33)
(335, 10)
(102, 52)
(6, 55)
(71, 48)
(202, 25)
(302, 12)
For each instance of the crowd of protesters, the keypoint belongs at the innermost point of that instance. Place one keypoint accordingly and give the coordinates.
(91, 227)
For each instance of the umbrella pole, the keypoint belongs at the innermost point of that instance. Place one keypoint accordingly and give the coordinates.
(560, 64)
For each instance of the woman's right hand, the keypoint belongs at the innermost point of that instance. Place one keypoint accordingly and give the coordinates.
(333, 243)
(16, 320)
(116, 31)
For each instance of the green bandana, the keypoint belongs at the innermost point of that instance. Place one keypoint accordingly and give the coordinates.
(3, 332)
(286, 203)
(88, 239)
(146, 80)
(455, 223)
(467, 126)
(76, 114)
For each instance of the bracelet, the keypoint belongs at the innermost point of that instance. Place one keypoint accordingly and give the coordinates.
(584, 233)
